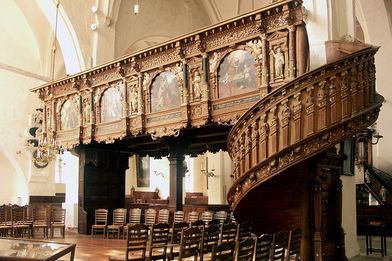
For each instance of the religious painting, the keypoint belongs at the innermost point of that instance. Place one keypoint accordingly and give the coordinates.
(237, 74)
(165, 92)
(69, 115)
(111, 107)
(143, 171)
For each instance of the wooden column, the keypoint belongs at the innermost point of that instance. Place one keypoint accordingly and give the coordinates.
(264, 68)
(292, 48)
(176, 169)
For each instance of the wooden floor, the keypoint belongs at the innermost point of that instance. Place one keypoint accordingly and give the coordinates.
(99, 249)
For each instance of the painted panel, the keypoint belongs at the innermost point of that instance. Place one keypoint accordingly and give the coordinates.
(69, 115)
(111, 108)
(237, 74)
(165, 92)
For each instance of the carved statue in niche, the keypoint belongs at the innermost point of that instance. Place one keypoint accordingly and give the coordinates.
(86, 112)
(256, 46)
(146, 80)
(179, 69)
(279, 62)
(196, 86)
(286, 112)
(214, 61)
(133, 106)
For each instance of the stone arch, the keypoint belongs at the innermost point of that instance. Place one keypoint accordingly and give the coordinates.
(236, 74)
(110, 105)
(165, 92)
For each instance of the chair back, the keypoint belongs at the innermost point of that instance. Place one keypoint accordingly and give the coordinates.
(228, 233)
(40, 215)
(263, 247)
(101, 216)
(209, 238)
(178, 216)
(198, 223)
(244, 231)
(119, 216)
(294, 244)
(245, 249)
(279, 245)
(58, 216)
(150, 216)
(163, 216)
(190, 243)
(207, 216)
(221, 216)
(137, 238)
(134, 216)
(193, 216)
(223, 252)
(176, 232)
(18, 215)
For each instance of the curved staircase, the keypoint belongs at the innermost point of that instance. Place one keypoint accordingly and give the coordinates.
(286, 167)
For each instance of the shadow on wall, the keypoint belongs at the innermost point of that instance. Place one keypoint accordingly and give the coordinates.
(13, 185)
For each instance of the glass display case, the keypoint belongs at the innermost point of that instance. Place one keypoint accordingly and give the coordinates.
(22, 249)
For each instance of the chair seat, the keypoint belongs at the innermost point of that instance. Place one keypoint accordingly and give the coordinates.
(115, 226)
(98, 226)
(58, 225)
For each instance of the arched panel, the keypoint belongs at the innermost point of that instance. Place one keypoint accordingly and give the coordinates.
(69, 115)
(165, 92)
(111, 108)
(237, 74)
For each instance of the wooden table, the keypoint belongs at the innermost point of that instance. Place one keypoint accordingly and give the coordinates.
(23, 250)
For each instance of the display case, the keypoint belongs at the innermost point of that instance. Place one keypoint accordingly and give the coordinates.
(19, 249)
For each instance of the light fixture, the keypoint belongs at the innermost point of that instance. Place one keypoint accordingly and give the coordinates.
(46, 152)
(136, 7)
(208, 174)
(363, 140)
(159, 173)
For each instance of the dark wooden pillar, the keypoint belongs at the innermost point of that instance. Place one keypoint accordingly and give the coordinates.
(176, 160)
(101, 183)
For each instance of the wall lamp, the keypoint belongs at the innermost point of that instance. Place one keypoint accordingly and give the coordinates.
(159, 173)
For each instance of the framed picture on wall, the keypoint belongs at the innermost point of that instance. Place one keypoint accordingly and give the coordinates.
(143, 171)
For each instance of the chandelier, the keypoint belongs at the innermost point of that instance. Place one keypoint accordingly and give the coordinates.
(46, 152)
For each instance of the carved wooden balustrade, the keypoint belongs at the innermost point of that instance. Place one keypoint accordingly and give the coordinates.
(300, 119)
(128, 96)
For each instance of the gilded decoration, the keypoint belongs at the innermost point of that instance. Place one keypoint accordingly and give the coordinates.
(237, 74)
(111, 107)
(165, 93)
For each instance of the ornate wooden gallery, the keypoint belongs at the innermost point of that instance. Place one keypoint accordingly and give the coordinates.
(183, 96)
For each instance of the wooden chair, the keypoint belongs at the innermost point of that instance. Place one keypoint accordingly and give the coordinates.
(223, 252)
(294, 245)
(134, 219)
(279, 244)
(232, 218)
(150, 216)
(5, 221)
(263, 248)
(57, 220)
(193, 216)
(175, 238)
(209, 239)
(163, 216)
(244, 250)
(228, 233)
(159, 239)
(40, 220)
(189, 243)
(19, 225)
(137, 238)
(178, 216)
(119, 217)
(221, 216)
(101, 221)
(207, 217)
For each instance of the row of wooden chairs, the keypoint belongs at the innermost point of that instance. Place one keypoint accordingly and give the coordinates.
(20, 221)
(150, 218)
(157, 242)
